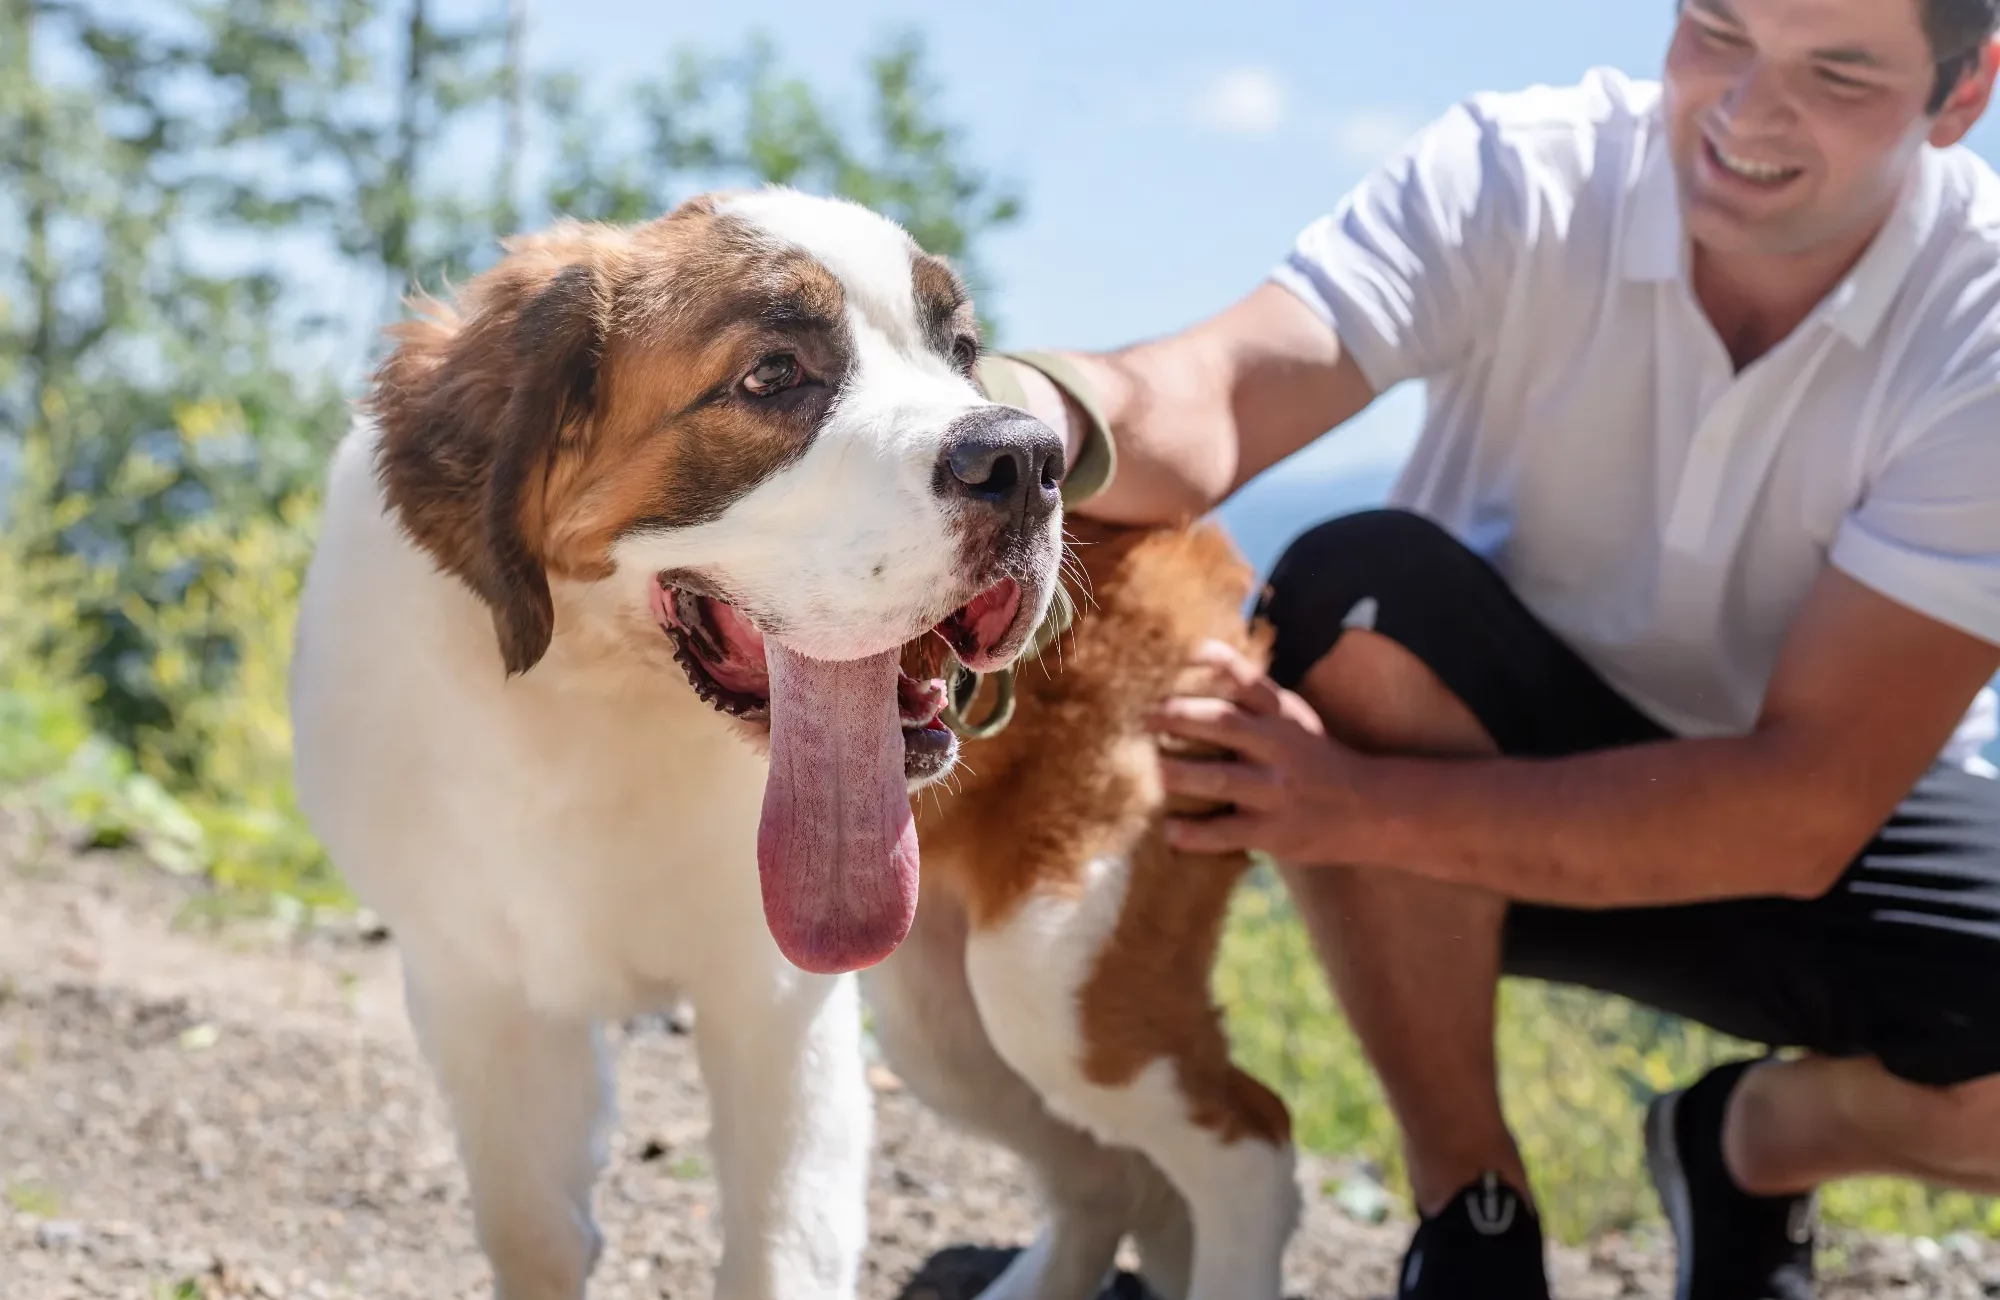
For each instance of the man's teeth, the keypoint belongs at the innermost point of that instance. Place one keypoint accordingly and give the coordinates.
(1749, 169)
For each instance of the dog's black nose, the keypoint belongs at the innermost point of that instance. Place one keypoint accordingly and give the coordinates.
(1006, 459)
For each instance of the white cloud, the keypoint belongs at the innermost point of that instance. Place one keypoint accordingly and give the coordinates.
(1246, 101)
(1368, 135)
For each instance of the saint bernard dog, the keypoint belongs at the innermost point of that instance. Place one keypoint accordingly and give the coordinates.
(621, 675)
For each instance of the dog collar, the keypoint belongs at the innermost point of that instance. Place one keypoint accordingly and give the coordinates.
(964, 685)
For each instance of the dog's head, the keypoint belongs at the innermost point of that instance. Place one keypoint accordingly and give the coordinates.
(748, 432)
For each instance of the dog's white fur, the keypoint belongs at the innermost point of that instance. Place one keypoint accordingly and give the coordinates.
(984, 1028)
(579, 843)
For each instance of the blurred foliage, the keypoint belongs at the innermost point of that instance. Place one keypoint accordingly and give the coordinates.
(1576, 1072)
(725, 119)
(187, 200)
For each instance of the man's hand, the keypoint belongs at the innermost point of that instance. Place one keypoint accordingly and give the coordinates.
(1288, 779)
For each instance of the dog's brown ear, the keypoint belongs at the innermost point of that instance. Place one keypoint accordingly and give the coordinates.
(472, 412)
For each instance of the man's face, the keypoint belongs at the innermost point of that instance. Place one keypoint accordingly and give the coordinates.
(1794, 123)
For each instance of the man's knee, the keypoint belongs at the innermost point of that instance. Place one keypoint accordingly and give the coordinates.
(1370, 689)
(1327, 579)
(1376, 695)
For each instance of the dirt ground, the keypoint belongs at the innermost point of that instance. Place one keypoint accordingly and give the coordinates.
(193, 1109)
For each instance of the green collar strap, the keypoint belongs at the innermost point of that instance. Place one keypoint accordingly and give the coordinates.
(963, 687)
(1097, 456)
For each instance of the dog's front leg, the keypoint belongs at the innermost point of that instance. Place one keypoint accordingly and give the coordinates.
(529, 1097)
(793, 1122)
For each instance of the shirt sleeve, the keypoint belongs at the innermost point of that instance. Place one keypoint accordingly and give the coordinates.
(1411, 269)
(1927, 532)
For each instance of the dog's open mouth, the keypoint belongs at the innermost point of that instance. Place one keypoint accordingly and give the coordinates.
(836, 847)
(724, 657)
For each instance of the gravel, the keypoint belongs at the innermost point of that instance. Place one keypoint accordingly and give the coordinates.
(193, 1107)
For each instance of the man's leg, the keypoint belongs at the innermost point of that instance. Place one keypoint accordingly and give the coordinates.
(1793, 1125)
(1405, 641)
(1890, 979)
(1416, 964)
(1914, 931)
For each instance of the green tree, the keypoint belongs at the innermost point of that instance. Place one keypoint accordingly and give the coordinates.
(741, 119)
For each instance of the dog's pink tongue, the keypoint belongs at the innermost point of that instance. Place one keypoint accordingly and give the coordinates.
(837, 847)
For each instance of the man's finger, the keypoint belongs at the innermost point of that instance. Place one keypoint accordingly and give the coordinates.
(1215, 722)
(1233, 833)
(1249, 685)
(1243, 784)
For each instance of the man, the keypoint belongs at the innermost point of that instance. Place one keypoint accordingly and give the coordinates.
(1662, 677)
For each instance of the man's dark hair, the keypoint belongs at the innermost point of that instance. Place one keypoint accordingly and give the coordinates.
(1958, 31)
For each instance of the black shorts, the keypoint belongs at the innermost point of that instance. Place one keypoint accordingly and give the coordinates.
(1899, 961)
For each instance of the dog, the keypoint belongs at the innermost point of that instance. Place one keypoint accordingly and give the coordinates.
(596, 688)
(621, 675)
(1053, 993)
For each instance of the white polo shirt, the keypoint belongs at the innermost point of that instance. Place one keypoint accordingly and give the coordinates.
(1588, 434)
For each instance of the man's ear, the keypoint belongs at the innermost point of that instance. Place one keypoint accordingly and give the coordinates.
(472, 411)
(1968, 100)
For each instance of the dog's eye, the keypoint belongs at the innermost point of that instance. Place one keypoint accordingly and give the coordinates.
(774, 374)
(965, 351)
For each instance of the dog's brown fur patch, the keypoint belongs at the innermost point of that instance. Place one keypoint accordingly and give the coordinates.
(945, 309)
(1074, 778)
(584, 387)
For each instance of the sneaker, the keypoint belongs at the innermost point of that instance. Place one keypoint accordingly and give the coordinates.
(1486, 1244)
(1732, 1245)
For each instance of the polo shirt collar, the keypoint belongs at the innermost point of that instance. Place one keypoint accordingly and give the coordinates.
(1859, 302)
(1655, 242)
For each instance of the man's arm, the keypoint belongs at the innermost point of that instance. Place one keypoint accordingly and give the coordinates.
(1404, 279)
(1865, 695)
(1197, 414)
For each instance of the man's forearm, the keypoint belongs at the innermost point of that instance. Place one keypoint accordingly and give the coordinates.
(1672, 822)
(1194, 415)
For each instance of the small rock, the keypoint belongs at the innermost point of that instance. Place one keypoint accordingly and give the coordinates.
(59, 1234)
(882, 1079)
(193, 1263)
(1362, 1199)
(1965, 1247)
